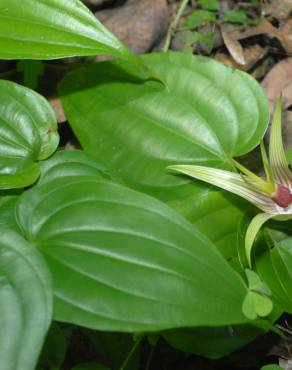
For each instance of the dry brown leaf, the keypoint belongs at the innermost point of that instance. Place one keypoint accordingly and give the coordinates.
(252, 55)
(138, 23)
(234, 47)
(244, 32)
(58, 108)
(279, 81)
(286, 35)
(280, 9)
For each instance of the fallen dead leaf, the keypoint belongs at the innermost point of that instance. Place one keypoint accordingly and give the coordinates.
(286, 35)
(234, 47)
(138, 23)
(279, 9)
(279, 81)
(244, 32)
(252, 55)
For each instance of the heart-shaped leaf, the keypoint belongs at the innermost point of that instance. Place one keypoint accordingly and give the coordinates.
(275, 268)
(28, 134)
(124, 261)
(207, 207)
(205, 113)
(49, 29)
(25, 302)
(73, 163)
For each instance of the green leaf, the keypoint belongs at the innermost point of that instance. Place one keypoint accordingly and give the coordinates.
(7, 212)
(28, 134)
(275, 268)
(25, 302)
(90, 366)
(54, 349)
(252, 231)
(209, 4)
(235, 16)
(31, 70)
(73, 163)
(49, 29)
(212, 342)
(206, 113)
(131, 263)
(206, 207)
(197, 18)
(272, 367)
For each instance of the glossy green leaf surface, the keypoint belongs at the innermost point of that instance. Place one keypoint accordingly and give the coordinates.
(73, 163)
(25, 302)
(28, 134)
(275, 268)
(7, 212)
(131, 263)
(206, 113)
(212, 342)
(48, 29)
(225, 212)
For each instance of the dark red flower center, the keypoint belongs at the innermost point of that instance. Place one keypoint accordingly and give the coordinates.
(283, 196)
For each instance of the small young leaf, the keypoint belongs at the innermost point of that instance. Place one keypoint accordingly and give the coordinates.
(28, 134)
(263, 304)
(209, 4)
(235, 16)
(197, 18)
(248, 307)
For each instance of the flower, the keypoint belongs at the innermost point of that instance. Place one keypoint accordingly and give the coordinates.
(273, 195)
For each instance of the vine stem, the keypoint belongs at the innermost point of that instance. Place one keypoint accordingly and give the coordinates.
(174, 24)
(136, 344)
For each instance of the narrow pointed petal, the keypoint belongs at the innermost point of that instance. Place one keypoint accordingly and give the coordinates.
(267, 167)
(252, 230)
(279, 165)
(230, 181)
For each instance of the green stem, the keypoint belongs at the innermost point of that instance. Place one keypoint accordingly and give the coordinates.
(150, 358)
(125, 363)
(174, 25)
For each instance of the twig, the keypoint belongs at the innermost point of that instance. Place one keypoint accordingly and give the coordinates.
(174, 25)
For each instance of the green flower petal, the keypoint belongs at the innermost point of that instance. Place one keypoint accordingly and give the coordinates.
(278, 162)
(253, 228)
(235, 183)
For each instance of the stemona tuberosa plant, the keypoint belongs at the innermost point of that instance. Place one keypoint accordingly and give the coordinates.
(105, 237)
(272, 195)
